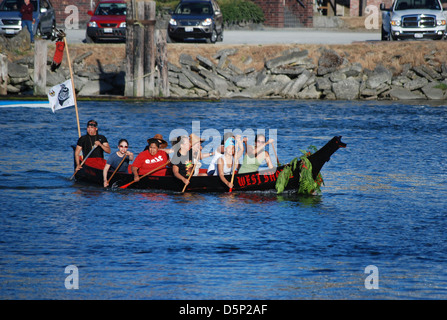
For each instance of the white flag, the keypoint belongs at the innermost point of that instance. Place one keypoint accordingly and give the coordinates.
(61, 96)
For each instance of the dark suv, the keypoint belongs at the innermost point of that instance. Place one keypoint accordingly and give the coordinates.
(196, 19)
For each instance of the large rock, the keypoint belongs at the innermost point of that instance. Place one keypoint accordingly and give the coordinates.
(404, 94)
(329, 61)
(218, 83)
(256, 92)
(416, 84)
(197, 80)
(432, 92)
(17, 70)
(346, 89)
(292, 90)
(323, 83)
(310, 92)
(379, 76)
(20, 42)
(290, 58)
(244, 81)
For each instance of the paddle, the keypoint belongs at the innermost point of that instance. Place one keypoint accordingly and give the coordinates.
(108, 181)
(88, 155)
(277, 160)
(234, 164)
(193, 169)
(146, 174)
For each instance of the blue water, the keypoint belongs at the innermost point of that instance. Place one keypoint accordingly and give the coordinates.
(383, 205)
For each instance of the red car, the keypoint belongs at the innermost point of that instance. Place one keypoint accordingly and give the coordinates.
(108, 22)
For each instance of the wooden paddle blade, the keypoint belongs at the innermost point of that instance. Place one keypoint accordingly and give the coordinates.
(145, 175)
(126, 185)
(117, 168)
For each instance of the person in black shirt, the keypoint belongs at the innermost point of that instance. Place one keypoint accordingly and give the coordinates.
(182, 162)
(87, 142)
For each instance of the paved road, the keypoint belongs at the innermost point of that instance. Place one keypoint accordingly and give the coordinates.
(269, 36)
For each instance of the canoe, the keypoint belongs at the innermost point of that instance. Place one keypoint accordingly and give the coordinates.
(263, 180)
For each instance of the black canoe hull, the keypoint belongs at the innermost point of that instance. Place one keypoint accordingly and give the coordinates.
(255, 181)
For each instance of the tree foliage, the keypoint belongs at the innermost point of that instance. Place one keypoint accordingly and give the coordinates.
(236, 11)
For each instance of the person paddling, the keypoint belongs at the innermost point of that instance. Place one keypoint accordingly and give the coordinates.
(120, 159)
(182, 161)
(92, 140)
(226, 162)
(255, 156)
(149, 160)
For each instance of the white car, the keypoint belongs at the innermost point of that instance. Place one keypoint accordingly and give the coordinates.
(413, 19)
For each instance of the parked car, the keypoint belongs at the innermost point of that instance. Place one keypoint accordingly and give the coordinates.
(11, 21)
(413, 19)
(196, 19)
(108, 22)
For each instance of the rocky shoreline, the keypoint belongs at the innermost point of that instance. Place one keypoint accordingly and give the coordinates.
(291, 74)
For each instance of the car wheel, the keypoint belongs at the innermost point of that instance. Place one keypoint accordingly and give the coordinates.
(169, 39)
(220, 36)
(213, 37)
(385, 35)
(88, 39)
(38, 32)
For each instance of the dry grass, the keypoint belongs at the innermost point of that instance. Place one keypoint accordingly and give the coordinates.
(369, 54)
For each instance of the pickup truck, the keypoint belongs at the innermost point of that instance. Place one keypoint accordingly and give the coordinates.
(413, 19)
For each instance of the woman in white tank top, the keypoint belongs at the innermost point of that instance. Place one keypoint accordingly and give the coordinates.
(225, 162)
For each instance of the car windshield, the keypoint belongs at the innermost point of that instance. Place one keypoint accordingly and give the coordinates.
(417, 4)
(14, 5)
(111, 9)
(194, 9)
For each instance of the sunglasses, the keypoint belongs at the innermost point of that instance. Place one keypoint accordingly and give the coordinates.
(92, 125)
(124, 147)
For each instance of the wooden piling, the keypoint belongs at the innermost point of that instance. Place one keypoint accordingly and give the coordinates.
(40, 67)
(140, 48)
(149, 49)
(128, 89)
(162, 64)
(138, 51)
(3, 75)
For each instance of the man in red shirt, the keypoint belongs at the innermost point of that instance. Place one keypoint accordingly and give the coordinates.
(27, 17)
(149, 160)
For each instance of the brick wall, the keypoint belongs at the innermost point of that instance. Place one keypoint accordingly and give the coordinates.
(274, 11)
(82, 5)
(304, 15)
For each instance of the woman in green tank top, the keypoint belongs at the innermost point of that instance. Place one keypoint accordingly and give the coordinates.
(254, 156)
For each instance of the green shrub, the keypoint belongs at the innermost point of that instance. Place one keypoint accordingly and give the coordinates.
(235, 11)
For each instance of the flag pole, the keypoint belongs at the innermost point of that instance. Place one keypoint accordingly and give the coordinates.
(73, 86)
